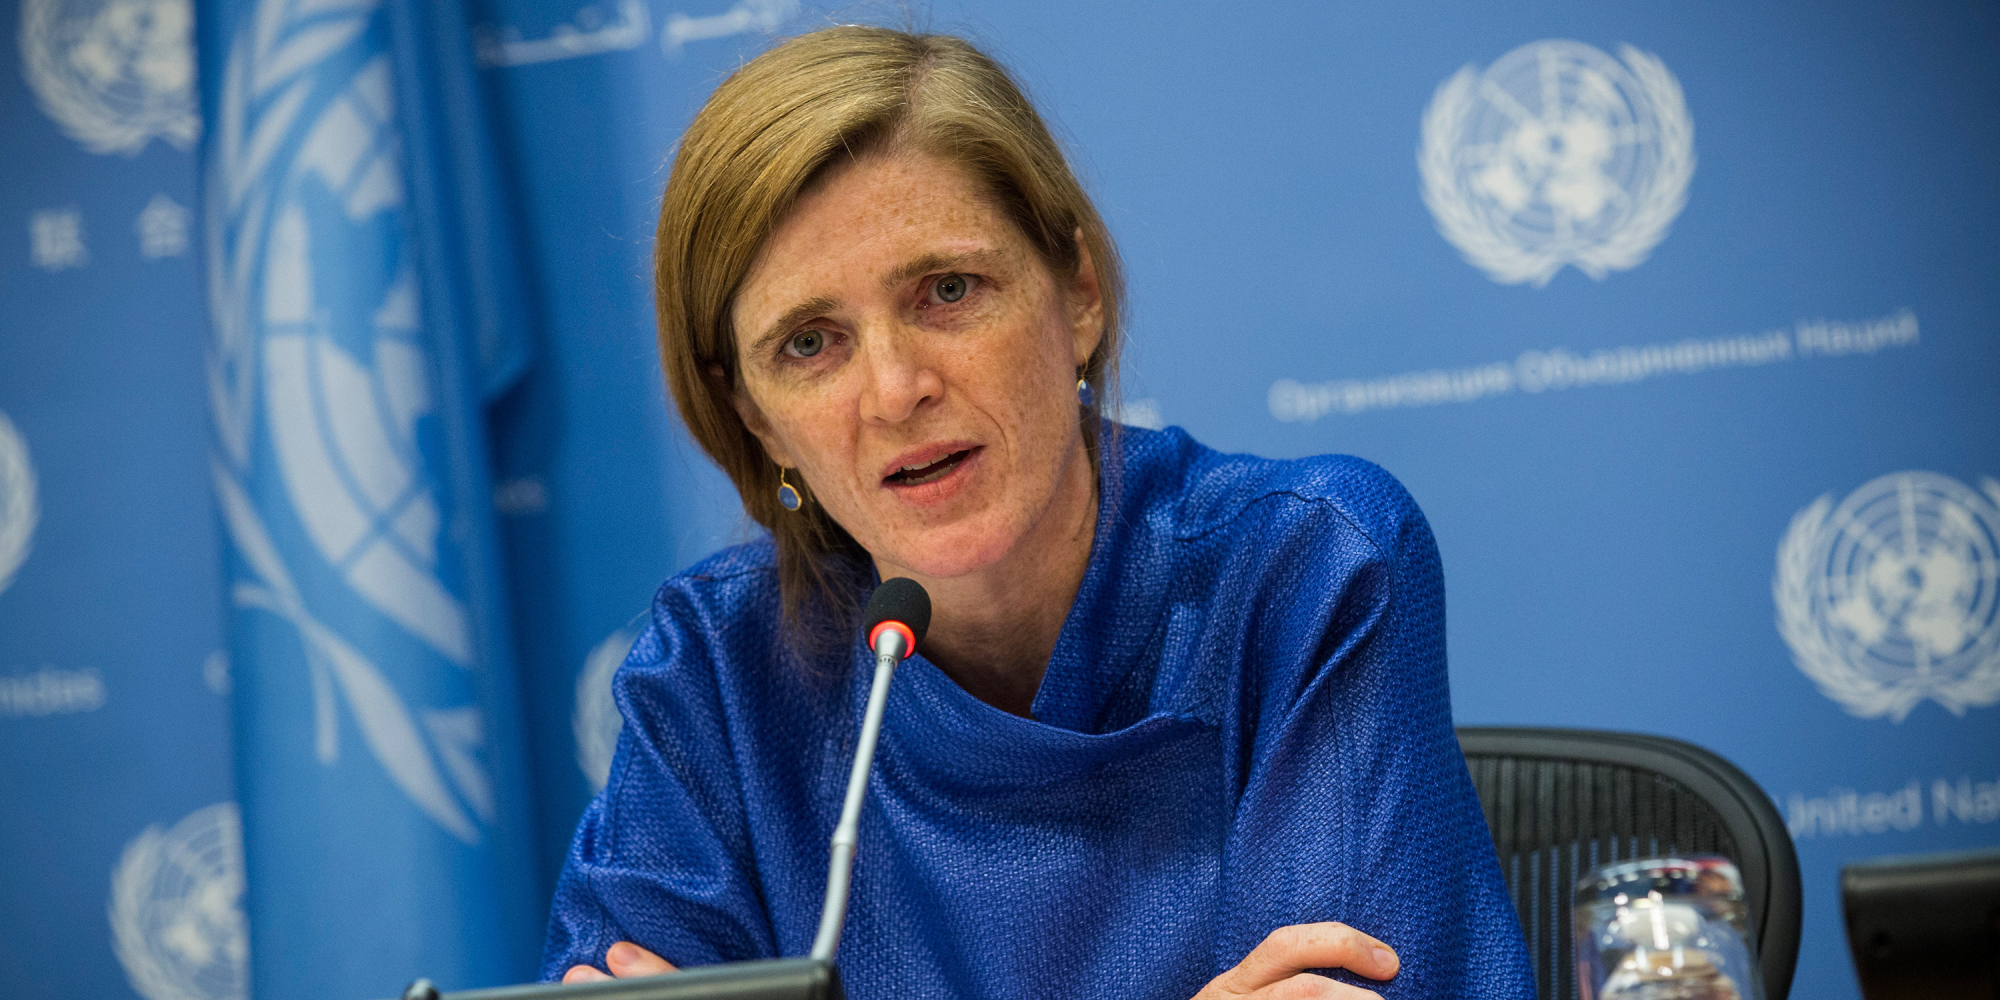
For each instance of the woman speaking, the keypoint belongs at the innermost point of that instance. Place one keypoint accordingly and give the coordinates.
(1180, 727)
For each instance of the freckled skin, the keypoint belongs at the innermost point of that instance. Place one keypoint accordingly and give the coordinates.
(890, 372)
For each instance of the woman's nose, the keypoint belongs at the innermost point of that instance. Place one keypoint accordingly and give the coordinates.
(901, 378)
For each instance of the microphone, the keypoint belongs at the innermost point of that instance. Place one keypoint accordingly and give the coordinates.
(898, 615)
(902, 606)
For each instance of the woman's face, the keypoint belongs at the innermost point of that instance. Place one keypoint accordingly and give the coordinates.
(904, 347)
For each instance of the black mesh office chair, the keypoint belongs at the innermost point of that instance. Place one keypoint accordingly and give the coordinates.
(1561, 801)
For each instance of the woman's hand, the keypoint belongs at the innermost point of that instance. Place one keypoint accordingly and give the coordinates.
(625, 960)
(1275, 969)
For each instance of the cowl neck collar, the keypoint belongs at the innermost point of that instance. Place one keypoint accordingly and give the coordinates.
(1102, 664)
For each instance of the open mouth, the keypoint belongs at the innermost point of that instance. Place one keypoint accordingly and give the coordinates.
(920, 474)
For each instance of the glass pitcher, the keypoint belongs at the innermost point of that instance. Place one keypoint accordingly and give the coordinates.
(1664, 929)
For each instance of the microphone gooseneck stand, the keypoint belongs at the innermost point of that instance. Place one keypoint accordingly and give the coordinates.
(899, 612)
(832, 915)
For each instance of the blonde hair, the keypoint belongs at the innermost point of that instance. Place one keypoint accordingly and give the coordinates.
(766, 134)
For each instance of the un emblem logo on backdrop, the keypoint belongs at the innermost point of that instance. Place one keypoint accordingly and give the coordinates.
(317, 316)
(1893, 596)
(113, 73)
(595, 722)
(19, 509)
(177, 909)
(1557, 155)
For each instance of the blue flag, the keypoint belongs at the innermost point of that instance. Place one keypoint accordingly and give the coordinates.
(378, 758)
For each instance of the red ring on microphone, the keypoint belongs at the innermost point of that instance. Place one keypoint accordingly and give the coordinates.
(909, 637)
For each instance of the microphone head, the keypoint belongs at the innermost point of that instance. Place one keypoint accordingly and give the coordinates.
(899, 600)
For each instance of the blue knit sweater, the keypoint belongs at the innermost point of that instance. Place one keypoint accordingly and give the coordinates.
(1245, 724)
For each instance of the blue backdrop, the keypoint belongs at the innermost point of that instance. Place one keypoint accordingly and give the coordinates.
(1677, 321)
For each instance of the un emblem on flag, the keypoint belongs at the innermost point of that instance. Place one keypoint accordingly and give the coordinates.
(1555, 155)
(177, 909)
(342, 522)
(18, 506)
(595, 722)
(113, 73)
(1893, 596)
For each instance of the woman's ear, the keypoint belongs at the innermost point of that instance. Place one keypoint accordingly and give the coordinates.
(1086, 304)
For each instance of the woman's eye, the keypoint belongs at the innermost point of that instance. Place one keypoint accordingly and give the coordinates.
(805, 343)
(951, 287)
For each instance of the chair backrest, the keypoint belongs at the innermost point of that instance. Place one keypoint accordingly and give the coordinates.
(1562, 801)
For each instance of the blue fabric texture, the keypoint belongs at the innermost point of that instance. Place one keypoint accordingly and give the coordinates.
(1245, 724)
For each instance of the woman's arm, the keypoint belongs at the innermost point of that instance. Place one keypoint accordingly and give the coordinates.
(662, 856)
(1357, 806)
(1274, 970)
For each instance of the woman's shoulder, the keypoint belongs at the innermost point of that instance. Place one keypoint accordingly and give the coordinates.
(718, 602)
(711, 646)
(737, 573)
(1202, 490)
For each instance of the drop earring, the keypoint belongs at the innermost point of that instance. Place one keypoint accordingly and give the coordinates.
(1083, 395)
(788, 497)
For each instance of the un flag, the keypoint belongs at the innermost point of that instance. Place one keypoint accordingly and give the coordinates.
(378, 769)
